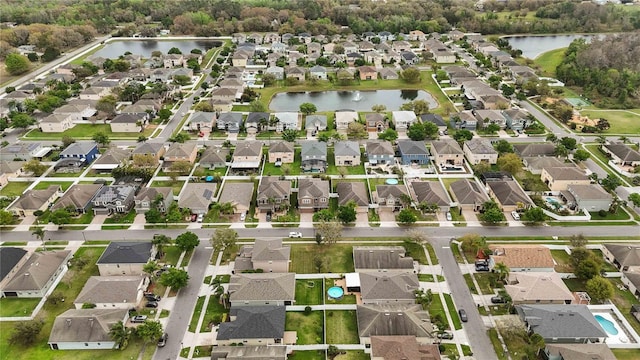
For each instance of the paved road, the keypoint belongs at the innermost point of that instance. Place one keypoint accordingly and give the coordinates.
(475, 328)
(185, 303)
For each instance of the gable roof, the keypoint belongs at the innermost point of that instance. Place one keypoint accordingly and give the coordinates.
(313, 148)
(541, 162)
(381, 258)
(480, 146)
(314, 188)
(181, 149)
(430, 192)
(113, 156)
(508, 192)
(315, 120)
(532, 286)
(396, 191)
(254, 322)
(522, 256)
(202, 117)
(37, 271)
(281, 147)
(128, 118)
(197, 195)
(150, 193)
(623, 152)
(262, 286)
(433, 118)
(78, 196)
(248, 148)
(561, 321)
(85, 325)
(566, 173)
(625, 255)
(449, 147)
(214, 155)
(402, 347)
(388, 286)
(354, 191)
(270, 250)
(579, 352)
(126, 253)
(148, 148)
(110, 289)
(35, 199)
(9, 258)
(273, 187)
(255, 117)
(393, 319)
(468, 192)
(410, 147)
(346, 148)
(238, 193)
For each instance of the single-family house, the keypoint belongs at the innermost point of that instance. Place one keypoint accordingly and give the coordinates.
(403, 119)
(390, 195)
(114, 199)
(125, 258)
(262, 289)
(591, 197)
(112, 292)
(238, 194)
(202, 122)
(56, 123)
(435, 119)
(535, 164)
(559, 178)
(35, 276)
(413, 152)
(315, 123)
(295, 72)
(488, 117)
(522, 258)
(388, 288)
(509, 195)
(464, 120)
(127, 123)
(313, 194)
(401, 347)
(238, 38)
(253, 325)
(77, 112)
(214, 157)
(83, 151)
(517, 119)
(281, 152)
(379, 152)
(256, 121)
(394, 320)
(23, 151)
(254, 352)
(10, 170)
(622, 154)
(479, 150)
(83, 329)
(343, 118)
(147, 150)
(631, 279)
(431, 193)
(247, 155)
(401, 46)
(443, 56)
(625, 257)
(271, 37)
(375, 122)
(353, 192)
(78, 197)
(276, 71)
(230, 122)
(197, 197)
(535, 149)
(577, 352)
(537, 288)
(313, 156)
(347, 153)
(368, 73)
(417, 35)
(267, 255)
(409, 58)
(35, 200)
(223, 94)
(180, 152)
(484, 96)
(388, 74)
(447, 153)
(148, 198)
(522, 74)
(111, 159)
(273, 193)
(287, 120)
(318, 72)
(573, 324)
(468, 194)
(173, 60)
(11, 260)
(382, 259)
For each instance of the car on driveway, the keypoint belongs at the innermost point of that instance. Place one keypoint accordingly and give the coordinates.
(498, 300)
(139, 319)
(151, 304)
(295, 234)
(152, 297)
(449, 218)
(445, 335)
(163, 340)
(463, 315)
(515, 215)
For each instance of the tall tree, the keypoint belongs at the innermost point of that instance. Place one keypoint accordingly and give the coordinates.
(35, 167)
(149, 331)
(25, 333)
(174, 278)
(330, 231)
(510, 163)
(308, 108)
(160, 241)
(187, 241)
(599, 289)
(502, 270)
(120, 334)
(224, 238)
(17, 64)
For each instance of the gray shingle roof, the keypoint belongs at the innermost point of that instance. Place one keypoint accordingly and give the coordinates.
(624, 152)
(355, 191)
(313, 148)
(281, 147)
(150, 193)
(197, 196)
(410, 147)
(261, 352)
(110, 289)
(148, 148)
(34, 199)
(273, 187)
(625, 254)
(254, 322)
(388, 286)
(468, 192)
(314, 188)
(393, 319)
(480, 146)
(81, 147)
(263, 286)
(126, 253)
(524, 150)
(508, 192)
(381, 257)
(347, 148)
(379, 147)
(113, 156)
(85, 325)
(78, 196)
(214, 155)
(561, 321)
(430, 192)
(239, 193)
(9, 258)
(248, 148)
(37, 271)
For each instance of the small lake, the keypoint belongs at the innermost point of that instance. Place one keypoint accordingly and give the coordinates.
(533, 46)
(114, 49)
(349, 100)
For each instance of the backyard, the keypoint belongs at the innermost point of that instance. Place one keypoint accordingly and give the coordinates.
(336, 257)
(307, 355)
(176, 186)
(309, 327)
(14, 188)
(342, 327)
(309, 292)
(10, 307)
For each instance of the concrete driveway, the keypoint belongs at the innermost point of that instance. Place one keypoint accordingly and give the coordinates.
(306, 220)
(96, 223)
(362, 219)
(387, 217)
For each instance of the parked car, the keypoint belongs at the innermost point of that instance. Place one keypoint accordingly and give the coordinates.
(445, 335)
(295, 234)
(515, 215)
(243, 216)
(152, 297)
(139, 319)
(498, 300)
(482, 266)
(449, 218)
(200, 217)
(268, 216)
(163, 340)
(151, 304)
(463, 315)
(194, 217)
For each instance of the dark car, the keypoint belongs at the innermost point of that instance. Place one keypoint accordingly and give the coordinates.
(151, 304)
(498, 300)
(163, 340)
(152, 297)
(463, 315)
(268, 218)
(139, 319)
(445, 335)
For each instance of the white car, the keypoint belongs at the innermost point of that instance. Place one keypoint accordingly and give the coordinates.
(515, 216)
(295, 234)
(449, 218)
(243, 216)
(200, 217)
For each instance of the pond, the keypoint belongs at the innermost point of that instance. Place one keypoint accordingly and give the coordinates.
(349, 100)
(533, 46)
(113, 49)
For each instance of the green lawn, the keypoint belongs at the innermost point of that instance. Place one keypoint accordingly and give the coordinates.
(84, 132)
(309, 292)
(346, 299)
(415, 251)
(497, 345)
(379, 181)
(337, 258)
(307, 355)
(352, 355)
(620, 214)
(436, 310)
(453, 312)
(432, 254)
(10, 307)
(563, 261)
(175, 186)
(621, 121)
(290, 169)
(120, 219)
(430, 278)
(45, 184)
(309, 328)
(469, 281)
(550, 60)
(214, 315)
(625, 354)
(14, 188)
(332, 169)
(484, 281)
(342, 327)
(195, 316)
(171, 255)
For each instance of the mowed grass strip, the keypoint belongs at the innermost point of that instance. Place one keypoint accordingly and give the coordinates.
(342, 327)
(309, 328)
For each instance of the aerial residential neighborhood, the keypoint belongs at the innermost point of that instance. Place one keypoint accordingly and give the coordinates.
(320, 180)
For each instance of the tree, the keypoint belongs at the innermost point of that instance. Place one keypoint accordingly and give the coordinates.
(181, 167)
(17, 64)
(25, 333)
(159, 240)
(21, 120)
(67, 140)
(39, 234)
(50, 53)
(492, 213)
(174, 278)
(534, 215)
(308, 108)
(503, 147)
(347, 213)
(578, 241)
(318, 263)
(569, 142)
(561, 151)
(379, 108)
(472, 242)
(510, 163)
(407, 217)
(35, 167)
(101, 138)
(356, 130)
(323, 215)
(257, 106)
(610, 183)
(330, 231)
(6, 217)
(411, 75)
(430, 130)
(599, 288)
(187, 241)
(60, 217)
(268, 79)
(223, 238)
(581, 155)
(290, 135)
(149, 331)
(492, 128)
(180, 138)
(388, 135)
(150, 268)
(164, 114)
(107, 105)
(502, 270)
(635, 199)
(416, 132)
(587, 269)
(463, 135)
(120, 334)
(174, 50)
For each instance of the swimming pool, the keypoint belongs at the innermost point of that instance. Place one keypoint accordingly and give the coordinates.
(607, 325)
(335, 292)
(552, 201)
(391, 181)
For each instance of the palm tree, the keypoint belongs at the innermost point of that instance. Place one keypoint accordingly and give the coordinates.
(225, 207)
(405, 200)
(150, 268)
(502, 270)
(160, 240)
(120, 334)
(601, 139)
(624, 139)
(39, 233)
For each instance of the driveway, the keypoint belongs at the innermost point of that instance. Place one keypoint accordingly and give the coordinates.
(306, 220)
(362, 219)
(387, 217)
(96, 223)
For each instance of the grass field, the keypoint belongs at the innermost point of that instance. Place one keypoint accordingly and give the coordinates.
(337, 258)
(416, 252)
(550, 60)
(621, 121)
(307, 355)
(14, 188)
(85, 131)
(563, 261)
(342, 327)
(42, 185)
(10, 307)
(309, 292)
(175, 186)
(309, 328)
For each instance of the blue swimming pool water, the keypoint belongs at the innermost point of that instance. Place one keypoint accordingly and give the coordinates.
(335, 292)
(607, 325)
(392, 181)
(552, 201)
